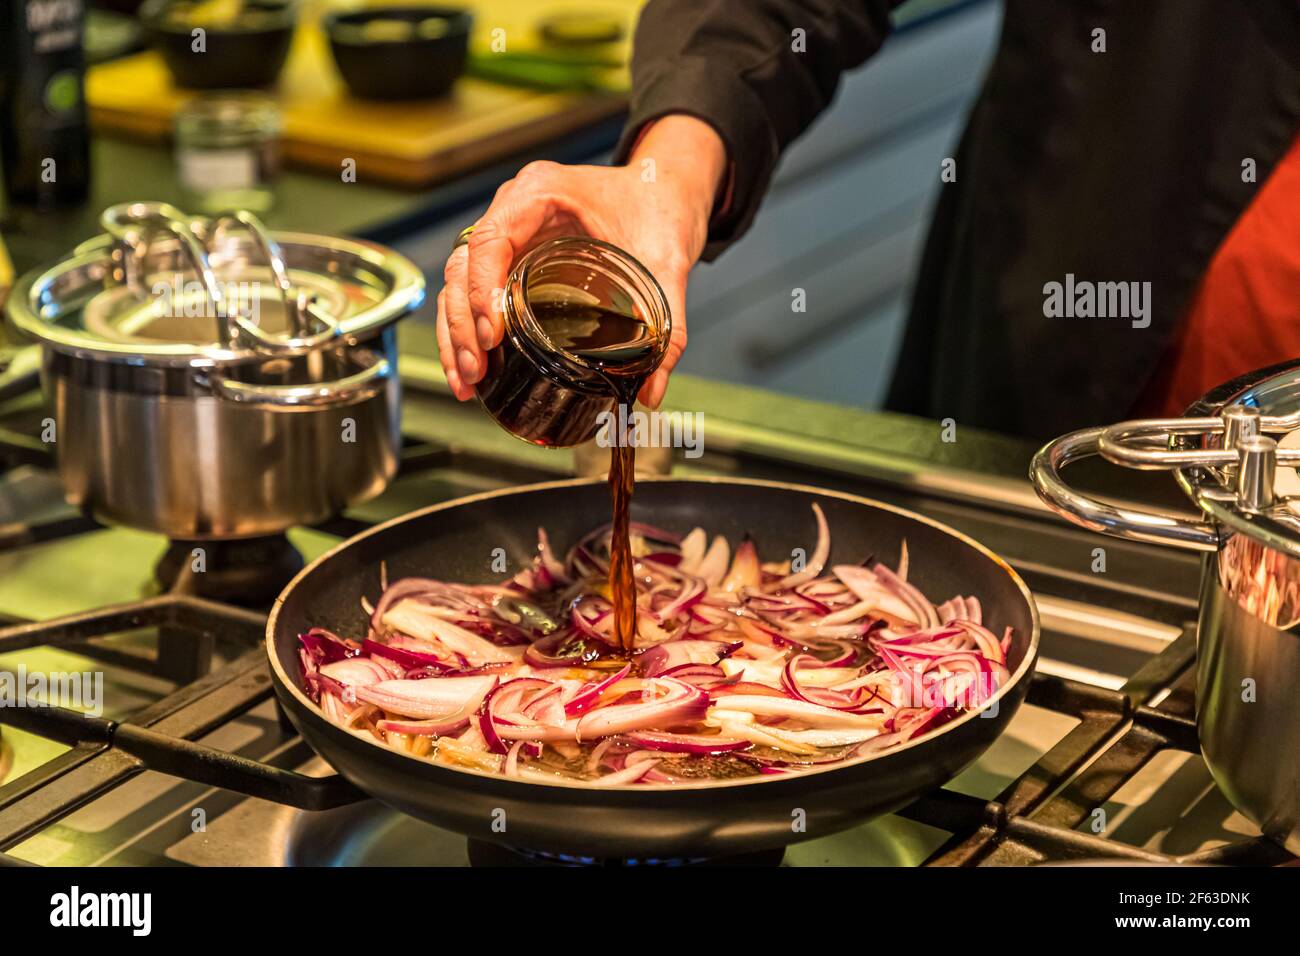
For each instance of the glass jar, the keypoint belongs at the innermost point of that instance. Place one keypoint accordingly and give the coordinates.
(585, 324)
(228, 151)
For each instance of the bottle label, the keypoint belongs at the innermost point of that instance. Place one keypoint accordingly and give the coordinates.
(207, 170)
(54, 25)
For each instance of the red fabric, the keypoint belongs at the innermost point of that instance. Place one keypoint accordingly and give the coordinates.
(1245, 313)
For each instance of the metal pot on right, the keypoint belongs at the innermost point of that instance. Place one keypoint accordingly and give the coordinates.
(1234, 454)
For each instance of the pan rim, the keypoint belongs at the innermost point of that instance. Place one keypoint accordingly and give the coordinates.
(1021, 672)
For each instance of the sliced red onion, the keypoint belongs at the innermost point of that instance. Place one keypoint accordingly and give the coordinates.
(878, 632)
(543, 653)
(355, 671)
(813, 714)
(588, 696)
(698, 674)
(407, 658)
(744, 572)
(427, 728)
(587, 626)
(714, 563)
(547, 707)
(673, 654)
(744, 688)
(598, 753)
(988, 645)
(554, 567)
(649, 633)
(412, 587)
(693, 548)
(887, 594)
(824, 696)
(680, 705)
(926, 614)
(410, 617)
(691, 594)
(820, 553)
(525, 747)
(325, 647)
(501, 717)
(427, 699)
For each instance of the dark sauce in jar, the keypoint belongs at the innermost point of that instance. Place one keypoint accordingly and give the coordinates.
(586, 325)
(535, 410)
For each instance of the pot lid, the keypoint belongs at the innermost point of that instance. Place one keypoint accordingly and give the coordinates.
(159, 287)
(1234, 454)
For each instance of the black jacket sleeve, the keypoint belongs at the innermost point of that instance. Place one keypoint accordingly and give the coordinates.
(740, 66)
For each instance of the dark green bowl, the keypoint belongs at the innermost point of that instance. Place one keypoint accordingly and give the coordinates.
(400, 53)
(248, 52)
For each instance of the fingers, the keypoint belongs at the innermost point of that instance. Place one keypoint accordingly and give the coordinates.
(518, 213)
(468, 357)
(447, 353)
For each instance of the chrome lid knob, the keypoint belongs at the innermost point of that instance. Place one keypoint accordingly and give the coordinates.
(1239, 423)
(1256, 467)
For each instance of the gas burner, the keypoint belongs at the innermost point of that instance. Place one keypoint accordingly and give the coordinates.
(249, 572)
(482, 853)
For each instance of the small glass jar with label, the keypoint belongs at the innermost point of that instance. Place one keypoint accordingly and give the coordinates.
(228, 151)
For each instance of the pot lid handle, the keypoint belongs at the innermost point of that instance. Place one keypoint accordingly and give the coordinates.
(134, 224)
(242, 219)
(1120, 521)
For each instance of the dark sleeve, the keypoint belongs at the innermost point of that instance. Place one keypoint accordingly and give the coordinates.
(732, 64)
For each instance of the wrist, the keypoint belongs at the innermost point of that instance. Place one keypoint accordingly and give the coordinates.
(688, 155)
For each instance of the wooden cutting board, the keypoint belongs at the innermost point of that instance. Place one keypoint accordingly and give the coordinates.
(410, 144)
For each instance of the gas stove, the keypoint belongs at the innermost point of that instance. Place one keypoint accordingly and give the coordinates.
(181, 757)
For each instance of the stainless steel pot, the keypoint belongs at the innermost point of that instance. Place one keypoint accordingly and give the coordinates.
(1234, 455)
(211, 380)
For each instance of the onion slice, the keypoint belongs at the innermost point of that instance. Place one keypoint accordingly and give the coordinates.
(819, 556)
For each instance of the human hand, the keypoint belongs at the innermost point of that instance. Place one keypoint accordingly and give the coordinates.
(656, 208)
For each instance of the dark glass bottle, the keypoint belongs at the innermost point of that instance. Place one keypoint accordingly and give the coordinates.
(44, 142)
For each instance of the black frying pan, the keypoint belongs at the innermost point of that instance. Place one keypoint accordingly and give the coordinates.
(455, 541)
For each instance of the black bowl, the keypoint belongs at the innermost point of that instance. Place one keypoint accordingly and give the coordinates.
(400, 53)
(248, 51)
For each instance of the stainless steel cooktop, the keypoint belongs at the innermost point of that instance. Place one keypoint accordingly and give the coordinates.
(1101, 761)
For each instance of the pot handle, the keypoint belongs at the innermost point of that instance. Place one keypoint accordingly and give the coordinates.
(358, 387)
(1112, 519)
